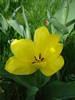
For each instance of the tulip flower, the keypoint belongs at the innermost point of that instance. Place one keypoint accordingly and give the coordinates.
(43, 53)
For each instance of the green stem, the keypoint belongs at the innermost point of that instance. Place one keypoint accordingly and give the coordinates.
(31, 92)
(58, 75)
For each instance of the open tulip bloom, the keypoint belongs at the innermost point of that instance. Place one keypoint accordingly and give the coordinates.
(43, 53)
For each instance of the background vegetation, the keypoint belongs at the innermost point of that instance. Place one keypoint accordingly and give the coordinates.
(16, 18)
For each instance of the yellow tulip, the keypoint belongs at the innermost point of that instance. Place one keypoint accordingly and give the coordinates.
(42, 53)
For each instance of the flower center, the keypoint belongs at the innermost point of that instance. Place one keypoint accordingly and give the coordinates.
(37, 60)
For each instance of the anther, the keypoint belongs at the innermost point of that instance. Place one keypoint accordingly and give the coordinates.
(35, 58)
(42, 59)
(33, 62)
(40, 56)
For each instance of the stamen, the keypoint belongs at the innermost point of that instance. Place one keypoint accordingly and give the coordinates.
(35, 58)
(42, 59)
(40, 56)
(33, 62)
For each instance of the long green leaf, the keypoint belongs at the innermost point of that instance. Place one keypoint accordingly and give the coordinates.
(28, 35)
(57, 25)
(66, 13)
(59, 89)
(19, 28)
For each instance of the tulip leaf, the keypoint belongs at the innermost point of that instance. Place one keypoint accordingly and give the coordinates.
(57, 25)
(66, 13)
(28, 35)
(60, 15)
(19, 28)
(69, 54)
(71, 13)
(59, 89)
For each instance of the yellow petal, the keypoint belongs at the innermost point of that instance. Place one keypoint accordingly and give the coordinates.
(53, 47)
(23, 49)
(58, 49)
(41, 39)
(17, 67)
(54, 38)
(53, 51)
(50, 68)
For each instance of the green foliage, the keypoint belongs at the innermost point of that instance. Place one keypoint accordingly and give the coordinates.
(18, 18)
(66, 13)
(69, 54)
(17, 27)
(58, 89)
(4, 25)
